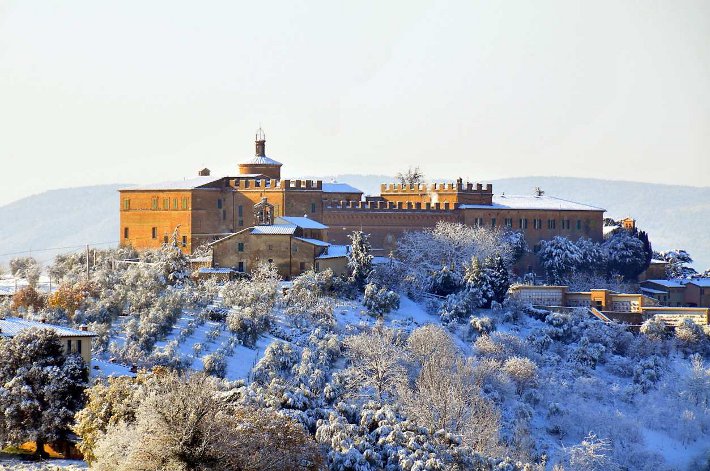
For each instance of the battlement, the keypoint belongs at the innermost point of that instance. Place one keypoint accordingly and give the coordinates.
(390, 206)
(419, 188)
(271, 183)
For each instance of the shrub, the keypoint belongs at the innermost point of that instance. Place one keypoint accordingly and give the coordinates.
(380, 301)
(215, 364)
(654, 329)
(522, 371)
(482, 325)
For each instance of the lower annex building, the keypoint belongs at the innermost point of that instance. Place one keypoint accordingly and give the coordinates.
(207, 208)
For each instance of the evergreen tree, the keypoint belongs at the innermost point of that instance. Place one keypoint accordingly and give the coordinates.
(560, 258)
(489, 279)
(626, 255)
(359, 258)
(40, 388)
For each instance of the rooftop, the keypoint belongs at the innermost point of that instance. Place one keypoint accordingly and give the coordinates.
(702, 282)
(260, 160)
(339, 188)
(335, 251)
(316, 242)
(302, 222)
(532, 202)
(186, 184)
(11, 326)
(667, 283)
(286, 229)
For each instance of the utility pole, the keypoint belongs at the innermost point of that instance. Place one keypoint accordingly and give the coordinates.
(87, 262)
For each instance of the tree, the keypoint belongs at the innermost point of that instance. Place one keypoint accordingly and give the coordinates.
(490, 280)
(27, 268)
(593, 258)
(359, 258)
(444, 395)
(71, 297)
(560, 258)
(41, 388)
(412, 176)
(28, 297)
(677, 263)
(181, 423)
(626, 255)
(376, 362)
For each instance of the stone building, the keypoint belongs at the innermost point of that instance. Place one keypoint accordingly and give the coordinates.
(206, 208)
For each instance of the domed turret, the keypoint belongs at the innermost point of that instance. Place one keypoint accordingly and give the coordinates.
(260, 164)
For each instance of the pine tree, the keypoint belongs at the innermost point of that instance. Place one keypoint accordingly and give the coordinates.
(41, 388)
(359, 258)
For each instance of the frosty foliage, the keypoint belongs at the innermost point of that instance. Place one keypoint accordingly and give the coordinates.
(359, 258)
(380, 301)
(560, 258)
(626, 255)
(40, 388)
(678, 261)
(27, 268)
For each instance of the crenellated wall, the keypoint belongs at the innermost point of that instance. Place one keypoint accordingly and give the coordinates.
(449, 192)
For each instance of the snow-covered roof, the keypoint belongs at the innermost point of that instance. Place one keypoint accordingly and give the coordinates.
(335, 251)
(652, 291)
(186, 184)
(532, 202)
(658, 262)
(609, 229)
(702, 282)
(316, 242)
(339, 188)
(260, 160)
(667, 283)
(302, 222)
(274, 229)
(11, 326)
(216, 270)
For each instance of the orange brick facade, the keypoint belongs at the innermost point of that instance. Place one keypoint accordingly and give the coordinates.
(206, 209)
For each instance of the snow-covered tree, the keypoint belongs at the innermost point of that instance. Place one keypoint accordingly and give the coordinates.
(380, 301)
(40, 388)
(592, 454)
(359, 258)
(593, 258)
(27, 268)
(376, 362)
(626, 255)
(678, 261)
(412, 176)
(560, 257)
(491, 279)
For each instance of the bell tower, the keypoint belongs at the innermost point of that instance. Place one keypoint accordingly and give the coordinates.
(260, 143)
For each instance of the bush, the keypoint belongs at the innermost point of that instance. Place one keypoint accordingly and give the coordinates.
(522, 371)
(481, 325)
(215, 364)
(654, 329)
(247, 323)
(689, 334)
(380, 301)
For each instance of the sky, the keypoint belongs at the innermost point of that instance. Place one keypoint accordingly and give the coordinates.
(139, 91)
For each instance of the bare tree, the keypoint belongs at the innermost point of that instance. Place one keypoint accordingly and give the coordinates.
(412, 176)
(377, 362)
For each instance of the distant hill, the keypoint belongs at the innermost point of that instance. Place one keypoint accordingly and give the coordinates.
(64, 218)
(674, 216)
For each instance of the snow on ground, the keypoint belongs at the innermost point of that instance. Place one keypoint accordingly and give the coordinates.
(9, 284)
(17, 464)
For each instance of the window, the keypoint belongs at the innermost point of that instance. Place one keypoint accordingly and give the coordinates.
(240, 247)
(579, 224)
(240, 267)
(523, 223)
(78, 346)
(154, 233)
(313, 207)
(295, 248)
(478, 222)
(166, 203)
(126, 204)
(493, 223)
(165, 239)
(185, 202)
(125, 233)
(68, 346)
(302, 266)
(184, 241)
(224, 215)
(317, 266)
(566, 224)
(271, 247)
(240, 211)
(219, 203)
(241, 222)
(175, 203)
(551, 223)
(154, 202)
(508, 222)
(537, 223)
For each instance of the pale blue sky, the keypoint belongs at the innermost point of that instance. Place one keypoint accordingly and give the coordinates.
(137, 91)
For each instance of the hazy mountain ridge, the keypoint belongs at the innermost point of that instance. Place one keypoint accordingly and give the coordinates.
(674, 216)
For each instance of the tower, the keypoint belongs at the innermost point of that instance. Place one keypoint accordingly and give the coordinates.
(260, 165)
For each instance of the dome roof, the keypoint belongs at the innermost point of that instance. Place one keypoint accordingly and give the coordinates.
(260, 160)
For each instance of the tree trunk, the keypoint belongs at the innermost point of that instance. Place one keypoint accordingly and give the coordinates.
(39, 450)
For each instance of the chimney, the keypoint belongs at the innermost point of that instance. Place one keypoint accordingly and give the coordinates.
(83, 328)
(205, 172)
